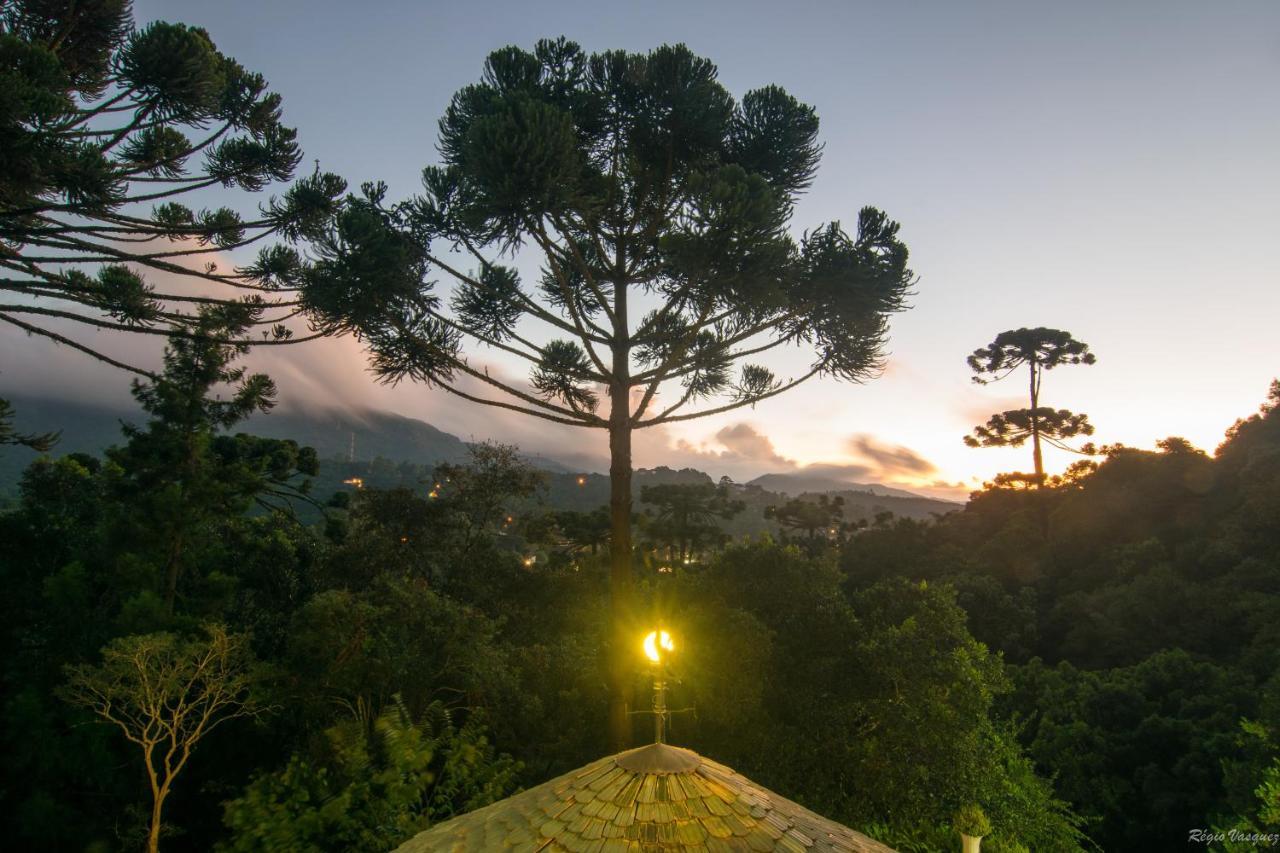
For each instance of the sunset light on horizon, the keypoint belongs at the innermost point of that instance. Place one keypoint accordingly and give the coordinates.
(1015, 215)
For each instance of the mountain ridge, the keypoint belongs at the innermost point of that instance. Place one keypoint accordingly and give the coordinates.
(354, 437)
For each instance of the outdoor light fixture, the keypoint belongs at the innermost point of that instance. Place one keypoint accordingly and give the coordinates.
(656, 644)
(658, 647)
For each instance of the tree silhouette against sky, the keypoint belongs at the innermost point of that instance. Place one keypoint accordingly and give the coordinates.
(1038, 350)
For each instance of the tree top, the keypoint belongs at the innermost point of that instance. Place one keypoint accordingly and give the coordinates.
(1042, 347)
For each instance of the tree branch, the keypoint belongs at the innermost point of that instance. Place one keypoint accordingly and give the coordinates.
(54, 336)
(737, 404)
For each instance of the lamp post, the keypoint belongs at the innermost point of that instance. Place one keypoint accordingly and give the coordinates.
(657, 646)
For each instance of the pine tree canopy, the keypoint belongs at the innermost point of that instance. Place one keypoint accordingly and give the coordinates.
(658, 208)
(1014, 427)
(1042, 348)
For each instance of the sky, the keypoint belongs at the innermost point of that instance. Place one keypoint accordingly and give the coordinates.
(1107, 168)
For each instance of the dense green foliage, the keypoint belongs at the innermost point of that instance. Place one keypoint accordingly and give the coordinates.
(1043, 653)
(187, 664)
(684, 519)
(406, 651)
(371, 787)
(1140, 600)
(810, 520)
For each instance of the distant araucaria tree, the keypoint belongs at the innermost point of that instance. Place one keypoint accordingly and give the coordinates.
(826, 514)
(658, 208)
(687, 517)
(1038, 350)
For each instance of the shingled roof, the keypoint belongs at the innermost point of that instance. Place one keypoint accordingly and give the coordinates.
(654, 799)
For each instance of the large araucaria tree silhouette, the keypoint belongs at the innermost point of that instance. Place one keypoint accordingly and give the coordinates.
(657, 208)
(1038, 350)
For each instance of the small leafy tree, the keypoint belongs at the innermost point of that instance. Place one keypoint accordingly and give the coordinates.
(1247, 831)
(658, 208)
(166, 694)
(481, 492)
(1038, 350)
(107, 133)
(372, 786)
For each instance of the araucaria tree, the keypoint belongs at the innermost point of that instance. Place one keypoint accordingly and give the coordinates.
(1038, 350)
(687, 516)
(658, 208)
(826, 514)
(109, 133)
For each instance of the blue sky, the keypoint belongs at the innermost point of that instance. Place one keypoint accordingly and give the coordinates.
(1107, 168)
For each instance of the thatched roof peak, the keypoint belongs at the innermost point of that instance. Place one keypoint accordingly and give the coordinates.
(654, 799)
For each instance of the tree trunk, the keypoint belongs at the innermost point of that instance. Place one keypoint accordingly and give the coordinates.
(621, 582)
(1035, 426)
(1035, 451)
(1037, 457)
(153, 835)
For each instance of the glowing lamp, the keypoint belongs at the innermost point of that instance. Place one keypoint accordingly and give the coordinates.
(656, 644)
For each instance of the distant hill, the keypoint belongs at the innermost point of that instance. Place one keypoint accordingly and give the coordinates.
(334, 433)
(799, 483)
(393, 450)
(567, 491)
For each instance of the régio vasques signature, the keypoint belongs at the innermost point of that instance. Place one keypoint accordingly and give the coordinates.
(1238, 836)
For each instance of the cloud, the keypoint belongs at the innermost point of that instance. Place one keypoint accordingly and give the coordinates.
(747, 443)
(741, 443)
(846, 473)
(889, 461)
